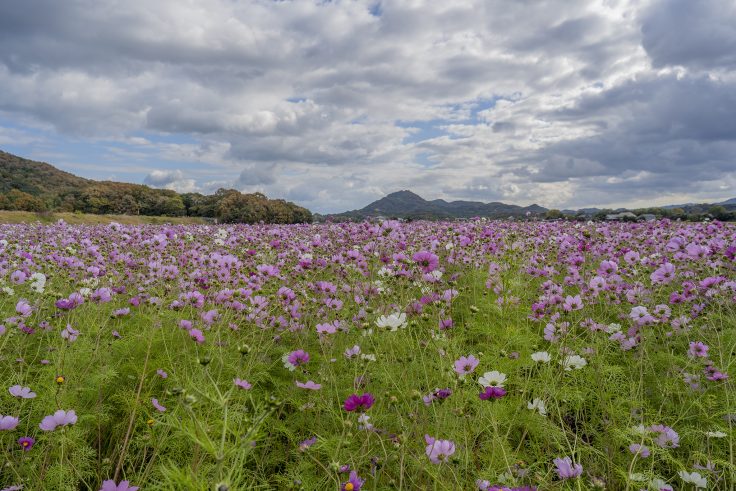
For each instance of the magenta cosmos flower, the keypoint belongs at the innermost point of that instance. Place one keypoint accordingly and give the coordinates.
(295, 359)
(465, 365)
(59, 418)
(439, 451)
(566, 469)
(354, 483)
(427, 261)
(492, 393)
(361, 402)
(26, 443)
(110, 485)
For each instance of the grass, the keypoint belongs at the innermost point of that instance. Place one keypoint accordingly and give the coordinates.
(91, 219)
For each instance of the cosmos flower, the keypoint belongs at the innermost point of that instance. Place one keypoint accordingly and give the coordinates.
(353, 352)
(465, 365)
(439, 451)
(492, 392)
(427, 261)
(354, 483)
(639, 449)
(158, 406)
(697, 349)
(566, 469)
(295, 359)
(308, 385)
(196, 335)
(69, 333)
(243, 384)
(573, 361)
(59, 418)
(26, 443)
(110, 485)
(21, 392)
(392, 322)
(303, 446)
(361, 402)
(537, 405)
(693, 478)
(541, 357)
(8, 423)
(492, 379)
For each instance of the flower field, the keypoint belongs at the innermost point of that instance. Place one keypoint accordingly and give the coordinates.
(453, 356)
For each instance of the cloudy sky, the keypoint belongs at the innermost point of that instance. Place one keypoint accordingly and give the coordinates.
(333, 104)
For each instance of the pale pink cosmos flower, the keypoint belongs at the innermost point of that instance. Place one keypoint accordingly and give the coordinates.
(243, 384)
(158, 406)
(21, 392)
(59, 418)
(308, 385)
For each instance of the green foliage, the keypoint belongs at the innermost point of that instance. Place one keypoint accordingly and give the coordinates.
(26, 185)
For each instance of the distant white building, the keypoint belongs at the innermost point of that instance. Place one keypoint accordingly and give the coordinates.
(626, 215)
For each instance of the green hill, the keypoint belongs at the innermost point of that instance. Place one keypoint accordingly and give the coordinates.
(27, 185)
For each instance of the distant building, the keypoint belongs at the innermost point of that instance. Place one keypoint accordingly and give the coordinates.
(618, 217)
(647, 217)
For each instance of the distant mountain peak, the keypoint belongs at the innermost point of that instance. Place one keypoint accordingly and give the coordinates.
(408, 204)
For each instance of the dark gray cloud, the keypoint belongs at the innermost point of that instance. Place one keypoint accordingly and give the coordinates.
(591, 100)
(700, 35)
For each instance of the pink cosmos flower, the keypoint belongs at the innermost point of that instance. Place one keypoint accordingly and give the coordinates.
(110, 485)
(243, 384)
(465, 365)
(566, 469)
(8, 423)
(59, 418)
(572, 303)
(158, 406)
(21, 392)
(439, 451)
(308, 385)
(698, 349)
(427, 261)
(197, 335)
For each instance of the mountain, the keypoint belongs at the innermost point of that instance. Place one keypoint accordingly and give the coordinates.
(28, 185)
(406, 204)
(731, 201)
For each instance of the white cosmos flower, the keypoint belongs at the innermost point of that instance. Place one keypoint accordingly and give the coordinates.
(573, 361)
(715, 434)
(612, 328)
(537, 405)
(693, 478)
(541, 357)
(492, 379)
(392, 322)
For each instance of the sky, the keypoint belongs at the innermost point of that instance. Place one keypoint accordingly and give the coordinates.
(334, 104)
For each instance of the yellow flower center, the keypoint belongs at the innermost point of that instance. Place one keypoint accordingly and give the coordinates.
(150, 422)
(59, 379)
(349, 487)
(25, 444)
